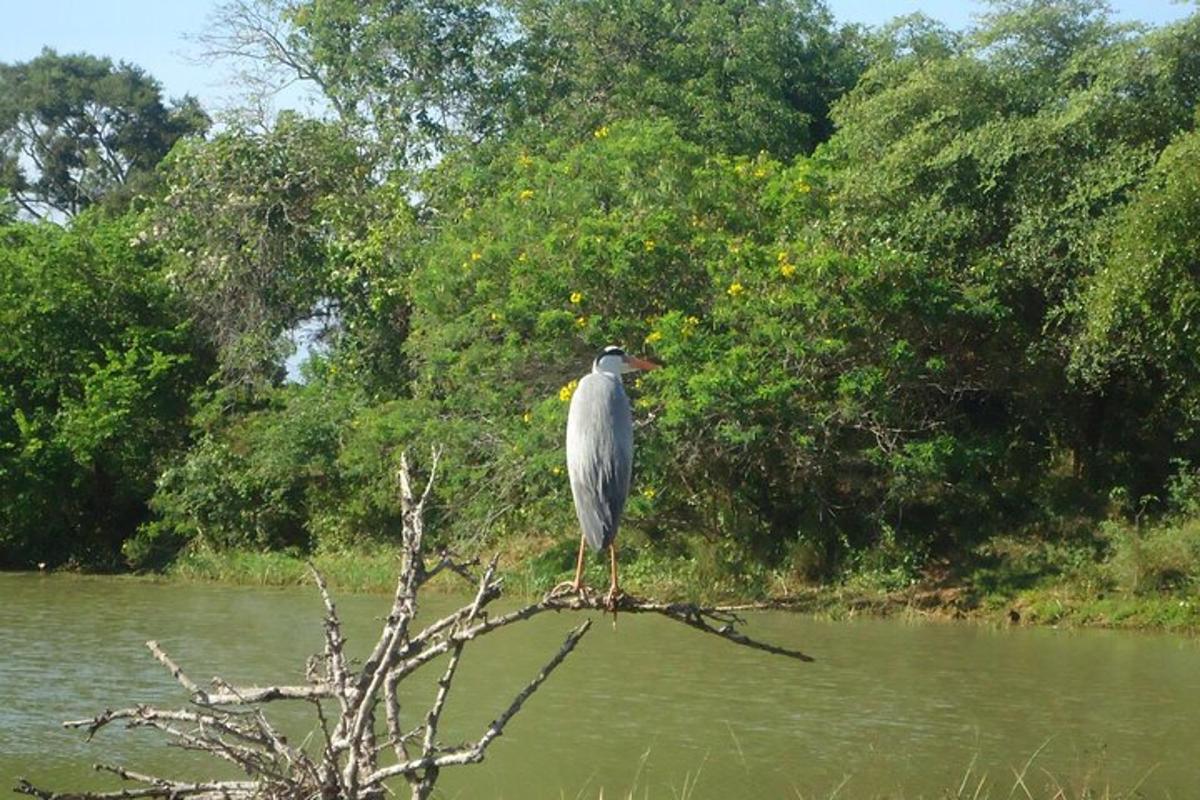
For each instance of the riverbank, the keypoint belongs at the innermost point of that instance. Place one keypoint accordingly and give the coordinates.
(1140, 579)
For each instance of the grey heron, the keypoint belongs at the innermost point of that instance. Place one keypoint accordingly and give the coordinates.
(600, 454)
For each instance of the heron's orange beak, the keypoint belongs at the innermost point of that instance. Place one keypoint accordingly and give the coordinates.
(641, 363)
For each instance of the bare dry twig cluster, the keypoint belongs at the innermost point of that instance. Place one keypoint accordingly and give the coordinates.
(350, 757)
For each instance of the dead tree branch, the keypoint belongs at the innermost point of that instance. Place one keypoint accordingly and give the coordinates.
(229, 722)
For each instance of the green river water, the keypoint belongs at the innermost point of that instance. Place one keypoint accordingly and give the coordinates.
(897, 709)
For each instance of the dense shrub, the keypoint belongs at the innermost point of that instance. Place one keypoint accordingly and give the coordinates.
(97, 362)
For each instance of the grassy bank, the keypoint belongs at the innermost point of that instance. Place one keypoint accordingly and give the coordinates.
(1121, 577)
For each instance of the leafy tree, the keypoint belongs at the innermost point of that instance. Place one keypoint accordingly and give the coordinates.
(977, 292)
(1002, 164)
(246, 222)
(737, 77)
(417, 75)
(254, 478)
(97, 365)
(432, 76)
(808, 395)
(1140, 319)
(77, 129)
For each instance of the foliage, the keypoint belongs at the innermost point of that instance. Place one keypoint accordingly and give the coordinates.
(300, 467)
(1003, 162)
(790, 365)
(1140, 312)
(735, 77)
(77, 129)
(969, 310)
(429, 78)
(253, 478)
(1160, 558)
(97, 363)
(246, 220)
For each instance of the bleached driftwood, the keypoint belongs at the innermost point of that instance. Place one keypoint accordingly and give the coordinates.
(343, 760)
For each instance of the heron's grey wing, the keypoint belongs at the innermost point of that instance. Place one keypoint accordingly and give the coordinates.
(599, 455)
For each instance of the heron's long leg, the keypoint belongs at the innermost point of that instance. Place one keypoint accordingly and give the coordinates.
(579, 565)
(613, 589)
(576, 586)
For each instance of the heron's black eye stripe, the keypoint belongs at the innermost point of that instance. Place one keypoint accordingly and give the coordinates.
(611, 350)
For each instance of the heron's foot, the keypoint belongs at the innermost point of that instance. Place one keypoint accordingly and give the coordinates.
(612, 598)
(567, 588)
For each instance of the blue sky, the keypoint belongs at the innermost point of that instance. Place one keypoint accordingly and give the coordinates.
(152, 34)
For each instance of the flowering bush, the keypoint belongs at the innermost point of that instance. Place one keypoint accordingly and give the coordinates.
(789, 366)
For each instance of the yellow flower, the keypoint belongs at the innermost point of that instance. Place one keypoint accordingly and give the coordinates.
(761, 172)
(787, 270)
(527, 417)
(557, 470)
(803, 188)
(581, 322)
(653, 337)
(495, 317)
(526, 194)
(649, 493)
(600, 132)
(524, 160)
(735, 289)
(523, 257)
(692, 321)
(649, 244)
(476, 255)
(564, 394)
(576, 298)
(781, 256)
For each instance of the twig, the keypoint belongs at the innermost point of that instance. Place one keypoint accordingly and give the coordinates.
(718, 621)
(335, 659)
(687, 613)
(439, 702)
(475, 753)
(158, 788)
(176, 672)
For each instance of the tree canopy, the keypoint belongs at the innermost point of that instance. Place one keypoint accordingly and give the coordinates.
(78, 129)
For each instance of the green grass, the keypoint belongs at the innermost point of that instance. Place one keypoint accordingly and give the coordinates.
(1028, 780)
(1121, 577)
(360, 571)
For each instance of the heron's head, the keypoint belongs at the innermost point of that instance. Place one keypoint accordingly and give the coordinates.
(616, 361)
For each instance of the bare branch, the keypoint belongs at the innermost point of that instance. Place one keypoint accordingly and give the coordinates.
(699, 617)
(178, 674)
(244, 695)
(335, 659)
(475, 753)
(435, 712)
(158, 788)
(223, 723)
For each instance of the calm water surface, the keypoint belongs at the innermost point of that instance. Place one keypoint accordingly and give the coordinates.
(889, 708)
